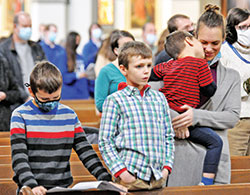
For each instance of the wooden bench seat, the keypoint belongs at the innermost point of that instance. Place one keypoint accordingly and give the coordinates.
(240, 162)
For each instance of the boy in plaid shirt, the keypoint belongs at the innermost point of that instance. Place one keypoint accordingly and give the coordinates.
(136, 138)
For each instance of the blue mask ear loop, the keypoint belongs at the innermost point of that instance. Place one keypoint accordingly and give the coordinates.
(238, 54)
(216, 58)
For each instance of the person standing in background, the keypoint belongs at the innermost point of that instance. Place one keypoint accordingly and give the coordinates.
(9, 93)
(176, 22)
(110, 75)
(149, 35)
(41, 32)
(105, 55)
(75, 85)
(90, 50)
(21, 53)
(53, 51)
(235, 54)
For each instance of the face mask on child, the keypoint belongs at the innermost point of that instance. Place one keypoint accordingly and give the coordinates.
(244, 37)
(47, 106)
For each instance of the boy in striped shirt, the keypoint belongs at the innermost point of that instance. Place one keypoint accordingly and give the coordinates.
(136, 138)
(43, 133)
(186, 77)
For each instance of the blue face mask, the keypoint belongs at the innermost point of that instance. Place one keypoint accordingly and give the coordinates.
(97, 33)
(52, 37)
(25, 33)
(47, 106)
(151, 38)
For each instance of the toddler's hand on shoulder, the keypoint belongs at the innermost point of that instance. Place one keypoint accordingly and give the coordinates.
(126, 177)
(39, 190)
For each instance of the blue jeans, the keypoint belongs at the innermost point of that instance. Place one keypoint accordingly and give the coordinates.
(213, 143)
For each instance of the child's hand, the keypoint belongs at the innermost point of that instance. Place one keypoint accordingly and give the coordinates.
(121, 187)
(126, 177)
(165, 173)
(39, 190)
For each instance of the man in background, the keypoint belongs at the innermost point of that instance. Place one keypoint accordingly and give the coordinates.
(176, 22)
(149, 35)
(21, 53)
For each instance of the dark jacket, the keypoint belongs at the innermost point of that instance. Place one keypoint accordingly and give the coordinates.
(7, 48)
(9, 86)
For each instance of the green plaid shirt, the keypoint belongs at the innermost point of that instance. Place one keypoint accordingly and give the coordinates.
(136, 133)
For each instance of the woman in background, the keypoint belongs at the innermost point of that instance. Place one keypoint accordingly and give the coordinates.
(75, 84)
(236, 54)
(105, 55)
(110, 75)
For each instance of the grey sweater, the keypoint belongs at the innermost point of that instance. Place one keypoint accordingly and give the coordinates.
(220, 113)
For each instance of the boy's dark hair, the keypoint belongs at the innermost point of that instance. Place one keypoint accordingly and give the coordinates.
(175, 44)
(45, 76)
(116, 35)
(211, 18)
(172, 22)
(234, 17)
(133, 48)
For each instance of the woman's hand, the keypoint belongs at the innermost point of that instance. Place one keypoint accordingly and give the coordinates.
(185, 119)
(182, 133)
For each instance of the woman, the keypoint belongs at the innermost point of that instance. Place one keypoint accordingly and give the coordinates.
(9, 94)
(110, 75)
(105, 56)
(221, 112)
(75, 84)
(236, 54)
(90, 50)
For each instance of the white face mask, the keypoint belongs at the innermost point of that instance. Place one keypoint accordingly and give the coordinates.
(244, 37)
(151, 38)
(97, 33)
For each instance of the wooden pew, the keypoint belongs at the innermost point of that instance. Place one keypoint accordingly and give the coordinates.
(4, 135)
(81, 174)
(77, 102)
(230, 189)
(240, 162)
(85, 110)
(194, 190)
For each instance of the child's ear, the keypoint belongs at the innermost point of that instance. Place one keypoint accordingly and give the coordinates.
(189, 41)
(31, 93)
(123, 69)
(116, 51)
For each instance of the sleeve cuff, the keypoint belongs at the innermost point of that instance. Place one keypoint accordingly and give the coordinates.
(117, 174)
(168, 168)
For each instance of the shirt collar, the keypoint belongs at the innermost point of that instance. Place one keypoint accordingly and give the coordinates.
(132, 90)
